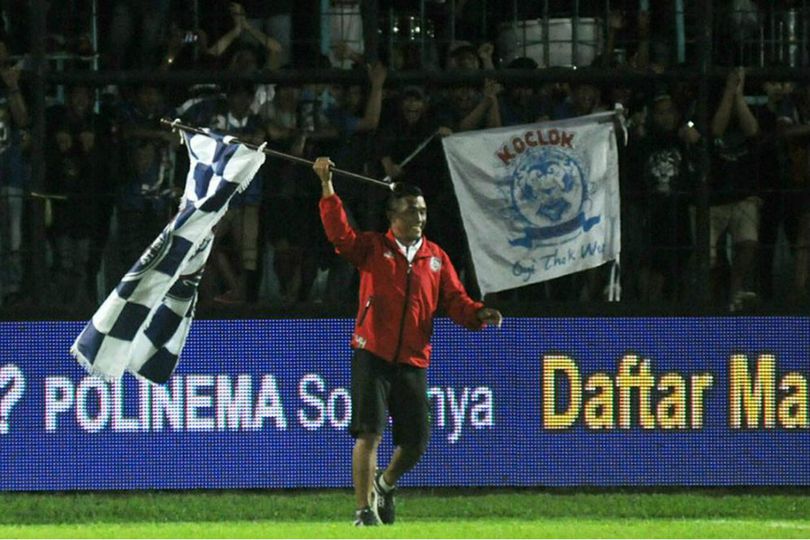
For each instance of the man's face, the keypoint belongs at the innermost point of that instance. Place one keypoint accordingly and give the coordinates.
(803, 100)
(412, 108)
(464, 97)
(239, 103)
(665, 115)
(621, 94)
(149, 99)
(585, 98)
(287, 97)
(521, 94)
(776, 90)
(354, 98)
(466, 60)
(244, 61)
(80, 100)
(408, 218)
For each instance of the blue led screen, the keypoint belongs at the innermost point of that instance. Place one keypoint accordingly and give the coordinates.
(541, 401)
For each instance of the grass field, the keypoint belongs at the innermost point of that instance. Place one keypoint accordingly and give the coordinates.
(421, 514)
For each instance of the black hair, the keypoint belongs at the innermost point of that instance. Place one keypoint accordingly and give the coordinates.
(235, 87)
(400, 191)
(242, 48)
(522, 62)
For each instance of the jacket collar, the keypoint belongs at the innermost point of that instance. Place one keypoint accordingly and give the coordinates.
(392, 241)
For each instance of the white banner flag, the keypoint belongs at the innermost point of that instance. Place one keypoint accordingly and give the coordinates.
(538, 201)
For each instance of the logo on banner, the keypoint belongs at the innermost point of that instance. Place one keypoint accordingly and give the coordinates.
(155, 253)
(549, 198)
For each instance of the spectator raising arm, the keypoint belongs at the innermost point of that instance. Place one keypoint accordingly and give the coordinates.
(722, 116)
(485, 55)
(376, 74)
(222, 44)
(733, 103)
(642, 58)
(343, 51)
(488, 102)
(748, 122)
(615, 23)
(16, 103)
(272, 46)
(491, 90)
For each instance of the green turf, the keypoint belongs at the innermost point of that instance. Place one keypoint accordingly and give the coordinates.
(501, 528)
(421, 514)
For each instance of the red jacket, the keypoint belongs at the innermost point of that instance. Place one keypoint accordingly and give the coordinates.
(398, 300)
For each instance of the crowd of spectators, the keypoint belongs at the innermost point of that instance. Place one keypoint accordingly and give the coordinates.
(114, 175)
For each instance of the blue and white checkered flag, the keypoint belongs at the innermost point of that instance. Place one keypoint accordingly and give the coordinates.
(142, 326)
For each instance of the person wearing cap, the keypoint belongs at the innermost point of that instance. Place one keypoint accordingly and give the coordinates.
(404, 280)
(466, 107)
(411, 125)
(462, 55)
(585, 98)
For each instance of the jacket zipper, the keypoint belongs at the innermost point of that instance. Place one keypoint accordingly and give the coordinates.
(404, 311)
(365, 311)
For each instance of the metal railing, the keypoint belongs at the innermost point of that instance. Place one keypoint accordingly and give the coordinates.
(703, 73)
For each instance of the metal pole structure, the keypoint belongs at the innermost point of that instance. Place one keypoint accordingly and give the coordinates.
(484, 12)
(772, 38)
(803, 38)
(422, 29)
(288, 157)
(762, 45)
(36, 206)
(522, 39)
(606, 54)
(195, 25)
(680, 31)
(546, 38)
(195, 14)
(390, 22)
(369, 12)
(452, 23)
(575, 35)
(804, 33)
(94, 33)
(703, 277)
(94, 40)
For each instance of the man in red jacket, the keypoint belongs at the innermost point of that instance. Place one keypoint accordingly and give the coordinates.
(404, 279)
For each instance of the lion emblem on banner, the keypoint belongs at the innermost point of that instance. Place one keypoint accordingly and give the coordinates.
(549, 197)
(548, 189)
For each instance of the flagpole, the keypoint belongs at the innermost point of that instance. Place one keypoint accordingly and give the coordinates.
(419, 148)
(175, 124)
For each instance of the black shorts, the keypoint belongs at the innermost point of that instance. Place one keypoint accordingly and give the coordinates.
(380, 388)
